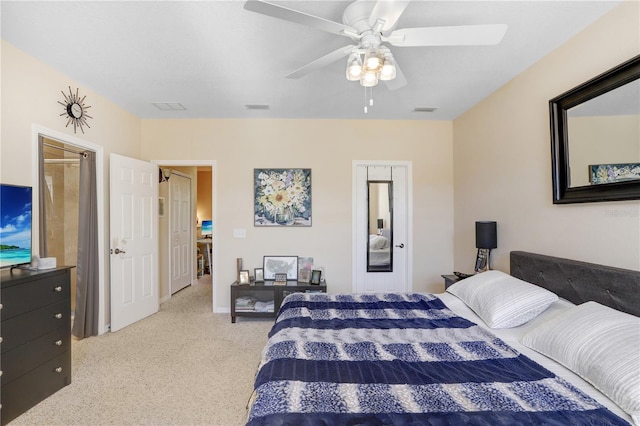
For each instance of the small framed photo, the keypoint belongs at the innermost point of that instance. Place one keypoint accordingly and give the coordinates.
(316, 275)
(259, 274)
(244, 277)
(304, 275)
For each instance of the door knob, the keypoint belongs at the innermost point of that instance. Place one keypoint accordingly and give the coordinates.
(401, 245)
(118, 251)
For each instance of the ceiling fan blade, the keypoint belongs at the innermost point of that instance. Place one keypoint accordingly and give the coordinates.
(398, 82)
(297, 17)
(323, 61)
(389, 12)
(465, 35)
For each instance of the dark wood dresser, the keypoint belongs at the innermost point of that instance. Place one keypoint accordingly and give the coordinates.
(35, 330)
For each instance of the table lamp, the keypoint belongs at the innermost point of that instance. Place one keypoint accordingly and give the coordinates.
(486, 239)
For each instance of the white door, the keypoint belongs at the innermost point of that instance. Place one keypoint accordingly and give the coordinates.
(180, 232)
(134, 240)
(399, 279)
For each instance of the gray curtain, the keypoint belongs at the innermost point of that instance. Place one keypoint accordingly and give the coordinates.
(85, 322)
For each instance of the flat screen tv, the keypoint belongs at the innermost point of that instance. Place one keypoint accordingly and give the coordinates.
(207, 228)
(15, 225)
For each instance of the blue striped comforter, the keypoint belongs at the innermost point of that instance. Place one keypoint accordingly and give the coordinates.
(400, 359)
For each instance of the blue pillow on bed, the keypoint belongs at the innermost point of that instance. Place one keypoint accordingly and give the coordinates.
(502, 301)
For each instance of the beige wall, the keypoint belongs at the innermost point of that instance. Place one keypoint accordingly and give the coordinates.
(30, 95)
(502, 160)
(328, 148)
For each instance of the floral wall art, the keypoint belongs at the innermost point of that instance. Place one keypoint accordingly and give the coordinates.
(605, 173)
(282, 197)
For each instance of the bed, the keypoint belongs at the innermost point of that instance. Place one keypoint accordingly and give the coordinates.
(416, 358)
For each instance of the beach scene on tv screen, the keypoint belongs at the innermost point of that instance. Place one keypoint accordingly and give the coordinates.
(15, 225)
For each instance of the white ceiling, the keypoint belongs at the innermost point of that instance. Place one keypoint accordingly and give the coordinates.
(215, 57)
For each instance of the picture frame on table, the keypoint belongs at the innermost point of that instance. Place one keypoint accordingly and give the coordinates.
(280, 279)
(244, 277)
(304, 276)
(273, 265)
(259, 274)
(316, 276)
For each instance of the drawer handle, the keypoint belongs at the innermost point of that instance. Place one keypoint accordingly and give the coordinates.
(58, 370)
(58, 289)
(58, 342)
(58, 315)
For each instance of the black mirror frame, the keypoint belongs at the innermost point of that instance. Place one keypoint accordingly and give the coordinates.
(558, 106)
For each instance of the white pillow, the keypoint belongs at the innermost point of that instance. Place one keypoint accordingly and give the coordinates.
(378, 242)
(502, 301)
(599, 344)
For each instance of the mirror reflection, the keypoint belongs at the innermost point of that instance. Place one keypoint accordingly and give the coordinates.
(604, 137)
(380, 226)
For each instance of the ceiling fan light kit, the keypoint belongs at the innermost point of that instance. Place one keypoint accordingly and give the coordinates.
(369, 24)
(354, 67)
(378, 65)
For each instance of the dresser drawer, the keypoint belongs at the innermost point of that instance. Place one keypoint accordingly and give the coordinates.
(27, 327)
(20, 360)
(19, 299)
(28, 390)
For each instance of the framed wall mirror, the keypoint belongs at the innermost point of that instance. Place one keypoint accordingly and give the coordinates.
(380, 226)
(595, 138)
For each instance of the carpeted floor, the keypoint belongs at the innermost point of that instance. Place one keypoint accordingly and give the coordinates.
(181, 366)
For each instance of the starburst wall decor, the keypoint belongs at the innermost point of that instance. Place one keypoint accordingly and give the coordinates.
(75, 110)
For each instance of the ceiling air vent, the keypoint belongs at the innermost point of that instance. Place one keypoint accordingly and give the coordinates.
(169, 106)
(424, 109)
(256, 106)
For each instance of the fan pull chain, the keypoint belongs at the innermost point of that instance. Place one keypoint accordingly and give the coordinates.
(365, 101)
(366, 109)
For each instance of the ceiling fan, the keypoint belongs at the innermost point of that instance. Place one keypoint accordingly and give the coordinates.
(369, 24)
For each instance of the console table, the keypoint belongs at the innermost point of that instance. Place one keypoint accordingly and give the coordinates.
(263, 299)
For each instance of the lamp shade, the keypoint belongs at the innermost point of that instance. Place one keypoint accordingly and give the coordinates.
(380, 224)
(486, 235)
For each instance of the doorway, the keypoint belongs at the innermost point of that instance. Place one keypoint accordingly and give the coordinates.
(202, 174)
(65, 166)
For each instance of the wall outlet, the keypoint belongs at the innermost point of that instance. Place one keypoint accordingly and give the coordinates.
(239, 233)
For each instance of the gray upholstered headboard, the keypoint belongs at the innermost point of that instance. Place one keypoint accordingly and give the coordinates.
(580, 282)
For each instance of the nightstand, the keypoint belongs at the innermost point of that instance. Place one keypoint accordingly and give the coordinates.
(448, 280)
